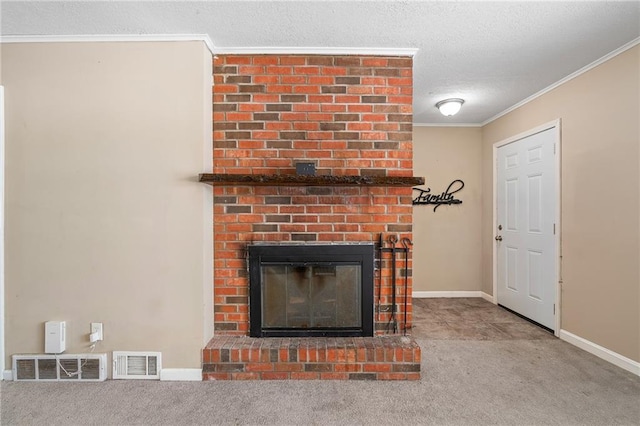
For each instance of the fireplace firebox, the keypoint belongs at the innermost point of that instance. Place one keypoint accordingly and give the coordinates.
(311, 290)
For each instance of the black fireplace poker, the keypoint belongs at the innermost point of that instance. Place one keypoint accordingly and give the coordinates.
(406, 242)
(393, 249)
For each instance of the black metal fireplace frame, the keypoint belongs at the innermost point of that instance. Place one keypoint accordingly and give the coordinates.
(297, 255)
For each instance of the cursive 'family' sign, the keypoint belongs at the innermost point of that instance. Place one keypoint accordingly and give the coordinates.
(426, 197)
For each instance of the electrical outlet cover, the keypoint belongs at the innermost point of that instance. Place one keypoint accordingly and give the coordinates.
(96, 328)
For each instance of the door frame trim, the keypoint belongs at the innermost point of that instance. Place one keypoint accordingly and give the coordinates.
(556, 125)
(2, 253)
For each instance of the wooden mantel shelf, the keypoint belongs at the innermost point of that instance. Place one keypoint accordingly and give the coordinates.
(303, 180)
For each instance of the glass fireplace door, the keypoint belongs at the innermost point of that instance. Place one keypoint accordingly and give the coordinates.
(310, 290)
(311, 296)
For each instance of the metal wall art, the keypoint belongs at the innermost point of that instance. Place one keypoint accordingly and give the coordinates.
(426, 197)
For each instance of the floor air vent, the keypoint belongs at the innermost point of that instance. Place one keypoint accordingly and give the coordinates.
(69, 368)
(137, 365)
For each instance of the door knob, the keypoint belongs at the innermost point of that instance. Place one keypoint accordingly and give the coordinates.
(498, 237)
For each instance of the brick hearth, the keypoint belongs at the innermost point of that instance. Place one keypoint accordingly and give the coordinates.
(349, 115)
(342, 358)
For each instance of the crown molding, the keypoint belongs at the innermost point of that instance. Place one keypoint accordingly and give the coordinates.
(303, 50)
(101, 38)
(571, 76)
(378, 51)
(447, 125)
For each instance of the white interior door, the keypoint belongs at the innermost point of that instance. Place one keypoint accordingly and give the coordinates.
(525, 229)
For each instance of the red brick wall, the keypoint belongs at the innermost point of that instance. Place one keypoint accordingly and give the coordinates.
(350, 115)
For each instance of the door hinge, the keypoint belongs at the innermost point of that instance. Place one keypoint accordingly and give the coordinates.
(554, 309)
(554, 229)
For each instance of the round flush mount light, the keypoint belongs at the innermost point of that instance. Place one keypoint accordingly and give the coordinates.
(450, 107)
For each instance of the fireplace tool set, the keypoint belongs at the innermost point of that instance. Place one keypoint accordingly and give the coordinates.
(390, 246)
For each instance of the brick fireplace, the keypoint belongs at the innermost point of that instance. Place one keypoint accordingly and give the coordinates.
(351, 116)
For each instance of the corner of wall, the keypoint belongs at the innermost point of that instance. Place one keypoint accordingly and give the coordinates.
(2, 313)
(207, 197)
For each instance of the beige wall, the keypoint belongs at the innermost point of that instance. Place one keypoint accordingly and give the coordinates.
(105, 221)
(447, 248)
(600, 113)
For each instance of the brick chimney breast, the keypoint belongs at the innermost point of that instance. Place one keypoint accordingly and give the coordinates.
(348, 115)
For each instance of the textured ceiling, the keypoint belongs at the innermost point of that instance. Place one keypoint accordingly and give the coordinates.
(492, 54)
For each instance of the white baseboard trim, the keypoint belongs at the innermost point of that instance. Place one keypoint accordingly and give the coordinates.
(601, 352)
(487, 297)
(7, 375)
(181, 375)
(430, 294)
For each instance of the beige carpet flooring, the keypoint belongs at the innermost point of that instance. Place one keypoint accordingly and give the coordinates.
(481, 365)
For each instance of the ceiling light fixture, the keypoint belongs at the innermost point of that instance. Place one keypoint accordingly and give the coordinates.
(450, 107)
